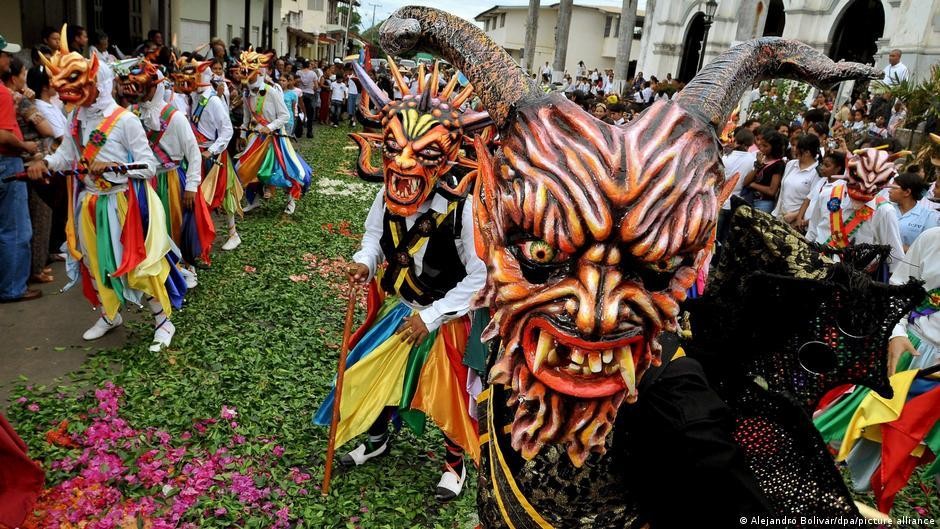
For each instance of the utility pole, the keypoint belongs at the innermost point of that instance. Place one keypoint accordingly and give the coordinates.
(374, 5)
(349, 12)
(531, 32)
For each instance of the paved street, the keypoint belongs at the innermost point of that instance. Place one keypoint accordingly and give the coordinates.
(50, 344)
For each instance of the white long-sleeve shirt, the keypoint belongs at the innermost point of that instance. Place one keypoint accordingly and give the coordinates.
(179, 142)
(273, 109)
(214, 122)
(456, 302)
(126, 144)
(54, 116)
(881, 228)
(740, 163)
(921, 262)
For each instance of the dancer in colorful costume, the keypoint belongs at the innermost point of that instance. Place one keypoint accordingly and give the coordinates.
(116, 224)
(179, 172)
(592, 235)
(269, 157)
(212, 126)
(852, 212)
(883, 440)
(409, 354)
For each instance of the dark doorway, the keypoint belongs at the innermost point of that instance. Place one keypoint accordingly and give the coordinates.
(857, 31)
(122, 20)
(776, 19)
(37, 14)
(691, 48)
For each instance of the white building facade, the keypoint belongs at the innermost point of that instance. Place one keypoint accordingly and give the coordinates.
(860, 30)
(592, 38)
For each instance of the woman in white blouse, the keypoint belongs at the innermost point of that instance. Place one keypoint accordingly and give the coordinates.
(798, 177)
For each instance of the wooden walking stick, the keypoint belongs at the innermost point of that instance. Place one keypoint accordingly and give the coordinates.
(338, 394)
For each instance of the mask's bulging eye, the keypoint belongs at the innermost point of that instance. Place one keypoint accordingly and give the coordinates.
(667, 265)
(538, 251)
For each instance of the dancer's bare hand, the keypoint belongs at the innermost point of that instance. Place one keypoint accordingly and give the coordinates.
(207, 154)
(98, 168)
(37, 170)
(264, 130)
(896, 347)
(189, 199)
(358, 272)
(413, 330)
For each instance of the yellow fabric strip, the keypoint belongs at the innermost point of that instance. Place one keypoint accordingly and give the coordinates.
(209, 183)
(680, 352)
(150, 275)
(370, 385)
(875, 410)
(485, 394)
(440, 396)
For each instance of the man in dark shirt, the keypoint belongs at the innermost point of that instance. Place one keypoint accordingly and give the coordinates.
(15, 228)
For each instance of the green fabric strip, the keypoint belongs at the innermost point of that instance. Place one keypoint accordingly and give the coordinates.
(833, 422)
(163, 192)
(416, 358)
(475, 355)
(107, 264)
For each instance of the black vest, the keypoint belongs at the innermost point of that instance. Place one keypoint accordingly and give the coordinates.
(441, 268)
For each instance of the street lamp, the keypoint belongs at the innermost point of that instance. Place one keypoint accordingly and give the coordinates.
(710, 7)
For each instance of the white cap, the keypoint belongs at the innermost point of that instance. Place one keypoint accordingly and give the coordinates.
(337, 61)
(8, 47)
(332, 77)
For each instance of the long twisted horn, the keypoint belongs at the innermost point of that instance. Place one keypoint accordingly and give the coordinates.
(716, 89)
(496, 77)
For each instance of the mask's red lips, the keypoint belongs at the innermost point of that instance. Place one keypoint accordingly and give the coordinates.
(859, 195)
(585, 369)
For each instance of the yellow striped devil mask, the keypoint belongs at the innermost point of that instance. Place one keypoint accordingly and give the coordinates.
(420, 139)
(71, 75)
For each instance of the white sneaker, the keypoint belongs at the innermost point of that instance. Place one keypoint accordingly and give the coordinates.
(359, 455)
(162, 336)
(252, 205)
(102, 327)
(451, 485)
(291, 206)
(233, 241)
(189, 276)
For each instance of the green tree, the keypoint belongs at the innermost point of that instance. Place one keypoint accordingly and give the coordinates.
(354, 22)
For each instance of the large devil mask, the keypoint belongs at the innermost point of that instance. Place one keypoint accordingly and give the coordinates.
(868, 171)
(592, 233)
(72, 76)
(421, 137)
(137, 79)
(250, 66)
(191, 75)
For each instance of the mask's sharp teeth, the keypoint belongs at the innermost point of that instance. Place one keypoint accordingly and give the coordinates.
(577, 356)
(542, 350)
(594, 361)
(627, 369)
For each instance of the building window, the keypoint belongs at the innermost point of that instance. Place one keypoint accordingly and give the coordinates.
(638, 30)
(617, 27)
(486, 25)
(607, 24)
(502, 20)
(255, 36)
(228, 33)
(315, 5)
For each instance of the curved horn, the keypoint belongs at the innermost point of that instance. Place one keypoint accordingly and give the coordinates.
(368, 85)
(501, 83)
(63, 39)
(719, 86)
